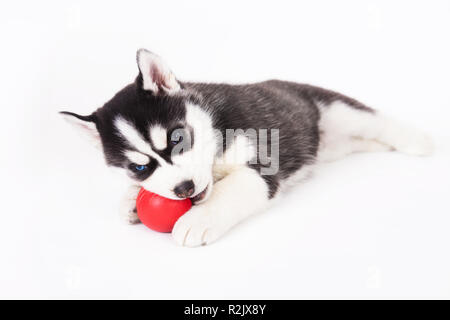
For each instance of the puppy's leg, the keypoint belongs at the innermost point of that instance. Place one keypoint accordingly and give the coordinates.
(346, 129)
(127, 208)
(235, 197)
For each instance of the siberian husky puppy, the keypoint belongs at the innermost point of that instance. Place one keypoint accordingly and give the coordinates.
(231, 149)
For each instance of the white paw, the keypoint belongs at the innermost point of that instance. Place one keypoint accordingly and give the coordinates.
(127, 208)
(416, 143)
(197, 227)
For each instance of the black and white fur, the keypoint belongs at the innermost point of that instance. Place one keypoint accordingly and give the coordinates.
(315, 125)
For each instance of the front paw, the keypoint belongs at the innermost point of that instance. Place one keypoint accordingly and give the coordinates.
(127, 209)
(197, 227)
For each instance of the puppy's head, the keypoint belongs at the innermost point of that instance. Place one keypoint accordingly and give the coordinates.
(156, 131)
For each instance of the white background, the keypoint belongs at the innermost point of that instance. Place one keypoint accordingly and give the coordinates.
(369, 226)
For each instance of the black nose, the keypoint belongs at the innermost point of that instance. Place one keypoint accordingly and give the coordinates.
(185, 189)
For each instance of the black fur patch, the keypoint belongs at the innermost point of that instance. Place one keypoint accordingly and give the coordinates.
(268, 105)
(287, 106)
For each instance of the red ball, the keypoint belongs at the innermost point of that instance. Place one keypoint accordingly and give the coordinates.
(159, 213)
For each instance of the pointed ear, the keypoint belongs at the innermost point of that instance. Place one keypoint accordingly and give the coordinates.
(156, 75)
(84, 124)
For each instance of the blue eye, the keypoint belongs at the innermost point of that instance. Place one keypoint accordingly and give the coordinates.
(140, 167)
(177, 136)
